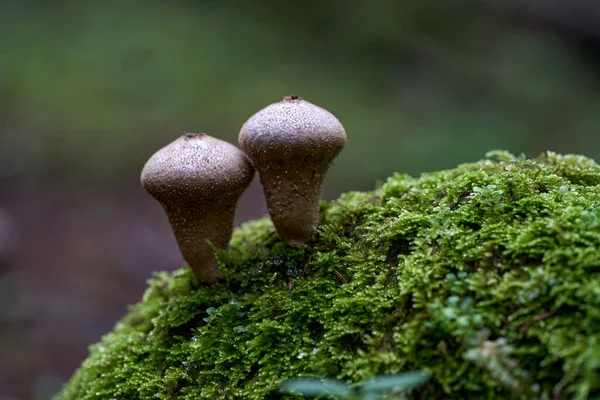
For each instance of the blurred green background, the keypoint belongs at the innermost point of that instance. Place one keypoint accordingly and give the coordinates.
(89, 90)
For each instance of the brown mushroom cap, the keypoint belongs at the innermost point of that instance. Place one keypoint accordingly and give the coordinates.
(292, 144)
(198, 180)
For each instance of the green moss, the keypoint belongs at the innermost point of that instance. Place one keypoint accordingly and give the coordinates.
(487, 276)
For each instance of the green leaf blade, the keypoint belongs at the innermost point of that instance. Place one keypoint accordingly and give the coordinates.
(312, 387)
(407, 380)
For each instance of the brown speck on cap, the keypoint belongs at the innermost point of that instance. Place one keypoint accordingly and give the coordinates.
(198, 180)
(292, 144)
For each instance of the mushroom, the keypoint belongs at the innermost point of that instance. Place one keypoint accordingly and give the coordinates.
(292, 144)
(198, 180)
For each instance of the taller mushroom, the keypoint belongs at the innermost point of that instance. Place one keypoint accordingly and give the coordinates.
(198, 180)
(292, 144)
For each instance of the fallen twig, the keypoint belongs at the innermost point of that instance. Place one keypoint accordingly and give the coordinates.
(539, 317)
(339, 275)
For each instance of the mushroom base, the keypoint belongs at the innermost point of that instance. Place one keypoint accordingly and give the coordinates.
(194, 228)
(293, 200)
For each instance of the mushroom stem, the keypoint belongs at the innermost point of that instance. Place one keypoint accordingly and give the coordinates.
(193, 227)
(293, 200)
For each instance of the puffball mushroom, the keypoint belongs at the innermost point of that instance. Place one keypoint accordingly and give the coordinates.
(198, 180)
(292, 144)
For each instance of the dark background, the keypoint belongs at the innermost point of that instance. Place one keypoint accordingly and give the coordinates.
(89, 90)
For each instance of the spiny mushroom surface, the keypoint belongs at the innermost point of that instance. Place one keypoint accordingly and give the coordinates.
(292, 144)
(198, 180)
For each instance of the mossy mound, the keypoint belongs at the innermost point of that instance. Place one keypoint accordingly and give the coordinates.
(487, 276)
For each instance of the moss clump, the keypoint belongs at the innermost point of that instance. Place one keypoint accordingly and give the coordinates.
(488, 276)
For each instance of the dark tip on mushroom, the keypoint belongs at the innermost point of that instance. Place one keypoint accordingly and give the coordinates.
(191, 135)
(198, 180)
(292, 144)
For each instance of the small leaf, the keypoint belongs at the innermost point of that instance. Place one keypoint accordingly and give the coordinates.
(313, 387)
(407, 380)
(211, 310)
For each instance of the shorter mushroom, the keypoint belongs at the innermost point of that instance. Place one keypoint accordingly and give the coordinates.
(198, 180)
(292, 143)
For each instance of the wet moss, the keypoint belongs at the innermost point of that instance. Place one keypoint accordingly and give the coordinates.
(487, 276)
